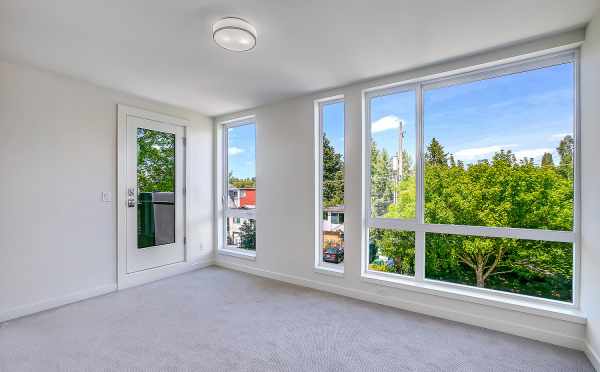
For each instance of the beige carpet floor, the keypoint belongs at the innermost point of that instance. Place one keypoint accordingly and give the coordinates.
(220, 320)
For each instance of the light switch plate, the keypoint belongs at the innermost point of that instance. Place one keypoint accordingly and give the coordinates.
(106, 196)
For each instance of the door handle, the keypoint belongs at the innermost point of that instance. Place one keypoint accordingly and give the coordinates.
(131, 197)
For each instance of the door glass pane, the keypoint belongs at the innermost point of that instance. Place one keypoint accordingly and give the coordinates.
(241, 167)
(241, 233)
(393, 153)
(156, 187)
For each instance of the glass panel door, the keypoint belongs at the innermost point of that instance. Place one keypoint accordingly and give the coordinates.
(155, 194)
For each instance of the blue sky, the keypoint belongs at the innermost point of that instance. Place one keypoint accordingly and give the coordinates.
(527, 113)
(242, 151)
(333, 125)
(387, 112)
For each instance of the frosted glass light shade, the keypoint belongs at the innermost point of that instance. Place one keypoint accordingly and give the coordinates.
(234, 34)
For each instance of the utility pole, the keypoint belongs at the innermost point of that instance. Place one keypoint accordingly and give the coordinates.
(397, 165)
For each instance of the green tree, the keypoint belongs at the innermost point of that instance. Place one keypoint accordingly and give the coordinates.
(399, 247)
(241, 182)
(505, 156)
(407, 169)
(382, 192)
(333, 175)
(497, 192)
(155, 161)
(406, 199)
(435, 154)
(248, 235)
(547, 160)
(565, 152)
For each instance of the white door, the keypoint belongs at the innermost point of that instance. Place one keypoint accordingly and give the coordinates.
(155, 194)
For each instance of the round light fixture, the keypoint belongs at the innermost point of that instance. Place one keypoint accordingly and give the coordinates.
(234, 34)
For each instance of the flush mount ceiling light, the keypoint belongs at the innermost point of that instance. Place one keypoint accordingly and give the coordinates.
(234, 34)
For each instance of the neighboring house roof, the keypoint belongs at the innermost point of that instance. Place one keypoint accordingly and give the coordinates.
(231, 187)
(335, 208)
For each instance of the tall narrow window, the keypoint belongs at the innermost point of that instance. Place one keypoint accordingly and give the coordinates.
(490, 201)
(330, 247)
(239, 186)
(393, 179)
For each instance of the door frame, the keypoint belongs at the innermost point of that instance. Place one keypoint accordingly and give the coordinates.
(124, 279)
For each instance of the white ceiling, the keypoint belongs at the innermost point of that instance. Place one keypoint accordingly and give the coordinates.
(163, 50)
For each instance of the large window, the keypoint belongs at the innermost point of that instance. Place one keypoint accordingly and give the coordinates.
(330, 132)
(471, 180)
(239, 186)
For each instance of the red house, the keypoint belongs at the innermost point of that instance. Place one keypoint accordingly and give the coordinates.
(248, 197)
(243, 197)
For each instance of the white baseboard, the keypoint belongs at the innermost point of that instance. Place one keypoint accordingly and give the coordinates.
(592, 356)
(432, 310)
(151, 275)
(36, 307)
(24, 310)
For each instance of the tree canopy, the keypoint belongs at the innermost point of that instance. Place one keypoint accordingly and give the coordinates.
(155, 161)
(241, 182)
(333, 175)
(248, 235)
(501, 191)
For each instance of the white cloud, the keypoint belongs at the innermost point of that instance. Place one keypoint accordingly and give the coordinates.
(560, 135)
(480, 152)
(531, 153)
(233, 151)
(386, 123)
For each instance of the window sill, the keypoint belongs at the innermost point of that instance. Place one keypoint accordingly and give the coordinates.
(555, 311)
(328, 270)
(239, 253)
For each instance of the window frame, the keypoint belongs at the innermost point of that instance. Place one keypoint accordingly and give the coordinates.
(226, 211)
(321, 266)
(418, 225)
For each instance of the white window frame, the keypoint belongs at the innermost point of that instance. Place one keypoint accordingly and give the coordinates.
(320, 265)
(453, 290)
(227, 212)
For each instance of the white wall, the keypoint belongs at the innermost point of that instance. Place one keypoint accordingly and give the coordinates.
(285, 206)
(58, 153)
(590, 135)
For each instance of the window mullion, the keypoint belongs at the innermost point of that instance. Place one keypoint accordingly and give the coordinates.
(420, 207)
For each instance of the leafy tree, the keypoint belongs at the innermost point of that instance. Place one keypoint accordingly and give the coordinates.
(241, 182)
(333, 175)
(382, 192)
(155, 161)
(505, 156)
(565, 151)
(435, 154)
(248, 235)
(406, 199)
(547, 160)
(497, 192)
(407, 168)
(399, 247)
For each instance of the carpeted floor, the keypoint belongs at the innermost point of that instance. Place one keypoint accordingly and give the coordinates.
(221, 320)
